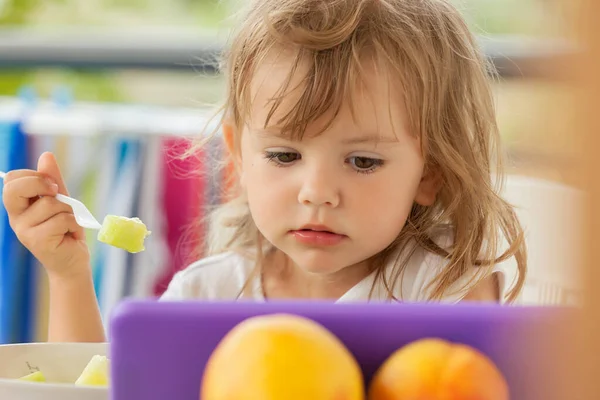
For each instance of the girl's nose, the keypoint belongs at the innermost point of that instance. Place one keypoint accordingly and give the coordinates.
(319, 188)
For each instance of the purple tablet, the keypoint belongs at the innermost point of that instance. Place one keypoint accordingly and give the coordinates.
(159, 350)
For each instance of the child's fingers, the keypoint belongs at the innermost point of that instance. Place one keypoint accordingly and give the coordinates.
(52, 232)
(59, 226)
(17, 193)
(48, 165)
(42, 210)
(20, 173)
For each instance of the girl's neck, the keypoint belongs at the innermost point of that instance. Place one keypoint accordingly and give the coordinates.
(283, 279)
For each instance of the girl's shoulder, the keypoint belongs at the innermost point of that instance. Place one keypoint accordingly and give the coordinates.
(428, 266)
(416, 281)
(217, 277)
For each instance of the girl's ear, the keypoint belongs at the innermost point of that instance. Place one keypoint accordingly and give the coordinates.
(229, 137)
(430, 185)
(234, 168)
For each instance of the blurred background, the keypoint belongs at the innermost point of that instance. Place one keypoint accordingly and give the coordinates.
(152, 52)
(113, 86)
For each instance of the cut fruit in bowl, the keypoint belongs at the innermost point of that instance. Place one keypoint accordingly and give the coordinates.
(49, 371)
(36, 376)
(96, 372)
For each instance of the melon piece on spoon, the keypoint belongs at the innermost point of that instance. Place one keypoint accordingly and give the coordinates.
(125, 233)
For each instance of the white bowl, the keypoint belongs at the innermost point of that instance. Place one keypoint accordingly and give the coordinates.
(61, 364)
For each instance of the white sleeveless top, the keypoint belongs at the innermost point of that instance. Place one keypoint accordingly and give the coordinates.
(222, 277)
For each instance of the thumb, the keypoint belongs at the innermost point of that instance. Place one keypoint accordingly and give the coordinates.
(48, 166)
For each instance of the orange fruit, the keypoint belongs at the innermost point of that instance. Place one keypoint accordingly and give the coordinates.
(434, 369)
(281, 357)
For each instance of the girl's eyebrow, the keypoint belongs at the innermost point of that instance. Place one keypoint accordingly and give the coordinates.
(267, 133)
(371, 138)
(368, 138)
(270, 133)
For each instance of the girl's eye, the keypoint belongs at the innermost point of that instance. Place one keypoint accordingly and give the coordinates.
(365, 165)
(282, 157)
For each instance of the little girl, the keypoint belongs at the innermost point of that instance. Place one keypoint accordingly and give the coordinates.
(364, 140)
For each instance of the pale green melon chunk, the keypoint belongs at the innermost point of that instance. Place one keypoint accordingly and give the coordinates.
(36, 376)
(125, 233)
(95, 373)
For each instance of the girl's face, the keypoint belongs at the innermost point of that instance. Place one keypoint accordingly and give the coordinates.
(332, 200)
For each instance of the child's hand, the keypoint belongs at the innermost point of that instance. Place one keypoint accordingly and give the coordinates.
(44, 225)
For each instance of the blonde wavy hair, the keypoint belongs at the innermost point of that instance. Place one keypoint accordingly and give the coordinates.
(445, 81)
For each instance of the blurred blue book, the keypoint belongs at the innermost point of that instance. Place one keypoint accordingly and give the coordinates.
(17, 280)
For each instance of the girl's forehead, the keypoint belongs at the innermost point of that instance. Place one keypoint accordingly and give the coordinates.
(371, 101)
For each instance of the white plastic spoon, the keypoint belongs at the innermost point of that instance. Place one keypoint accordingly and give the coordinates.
(83, 216)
